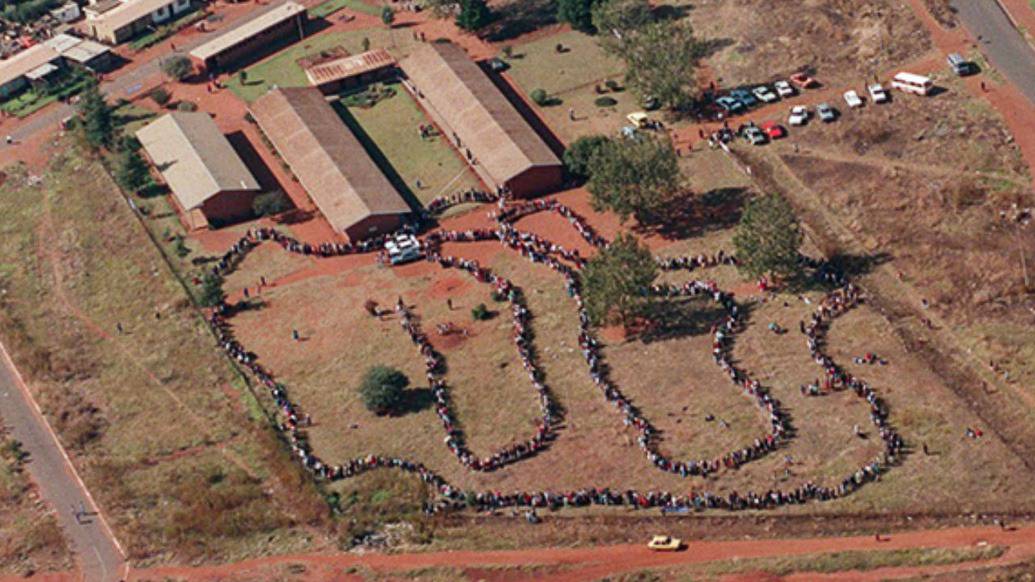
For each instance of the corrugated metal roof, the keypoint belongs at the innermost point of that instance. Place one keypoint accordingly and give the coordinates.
(28, 60)
(349, 66)
(262, 21)
(504, 144)
(194, 157)
(329, 161)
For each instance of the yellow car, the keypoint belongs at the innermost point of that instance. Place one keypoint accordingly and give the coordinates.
(665, 544)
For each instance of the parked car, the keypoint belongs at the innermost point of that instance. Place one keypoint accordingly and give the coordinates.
(853, 100)
(961, 66)
(804, 81)
(784, 89)
(754, 135)
(498, 65)
(826, 112)
(729, 104)
(403, 248)
(799, 115)
(744, 96)
(665, 544)
(764, 94)
(877, 93)
(773, 129)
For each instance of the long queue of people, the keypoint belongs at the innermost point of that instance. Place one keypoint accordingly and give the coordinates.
(434, 364)
(540, 250)
(835, 304)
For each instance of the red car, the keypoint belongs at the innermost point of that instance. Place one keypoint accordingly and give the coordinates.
(804, 81)
(773, 130)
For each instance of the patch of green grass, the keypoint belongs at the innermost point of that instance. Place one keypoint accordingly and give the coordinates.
(30, 101)
(392, 128)
(537, 65)
(325, 9)
(283, 70)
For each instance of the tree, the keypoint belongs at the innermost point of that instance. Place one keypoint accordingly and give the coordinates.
(474, 14)
(615, 281)
(580, 153)
(98, 122)
(212, 293)
(540, 97)
(388, 16)
(382, 389)
(270, 203)
(616, 20)
(768, 237)
(131, 171)
(577, 13)
(177, 67)
(634, 177)
(661, 62)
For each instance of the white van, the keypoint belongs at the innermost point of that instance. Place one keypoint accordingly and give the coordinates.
(910, 83)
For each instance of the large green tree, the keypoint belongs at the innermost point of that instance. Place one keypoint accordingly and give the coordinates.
(578, 155)
(212, 293)
(615, 282)
(474, 15)
(768, 237)
(617, 20)
(578, 13)
(382, 389)
(634, 177)
(96, 114)
(131, 170)
(661, 61)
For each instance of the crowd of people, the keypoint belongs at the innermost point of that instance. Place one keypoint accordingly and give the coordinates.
(292, 422)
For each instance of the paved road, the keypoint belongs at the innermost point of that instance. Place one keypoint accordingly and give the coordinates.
(97, 551)
(1003, 44)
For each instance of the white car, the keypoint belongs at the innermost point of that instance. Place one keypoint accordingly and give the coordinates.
(877, 93)
(764, 94)
(784, 89)
(403, 248)
(853, 100)
(799, 115)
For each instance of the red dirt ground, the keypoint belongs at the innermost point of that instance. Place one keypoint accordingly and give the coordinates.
(594, 563)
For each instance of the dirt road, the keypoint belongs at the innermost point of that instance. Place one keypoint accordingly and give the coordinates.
(593, 563)
(97, 551)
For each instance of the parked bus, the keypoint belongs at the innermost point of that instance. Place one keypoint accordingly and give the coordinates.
(910, 83)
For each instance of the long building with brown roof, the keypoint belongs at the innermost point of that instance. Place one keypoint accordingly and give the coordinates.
(486, 128)
(330, 162)
(209, 182)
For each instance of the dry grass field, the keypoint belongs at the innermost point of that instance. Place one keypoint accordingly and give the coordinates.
(841, 41)
(155, 419)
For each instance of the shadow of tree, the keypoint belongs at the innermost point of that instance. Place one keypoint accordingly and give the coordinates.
(680, 317)
(414, 400)
(521, 17)
(690, 215)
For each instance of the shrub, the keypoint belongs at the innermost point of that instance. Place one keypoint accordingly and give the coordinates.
(481, 312)
(613, 85)
(382, 389)
(540, 97)
(161, 96)
(605, 102)
(177, 67)
(187, 106)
